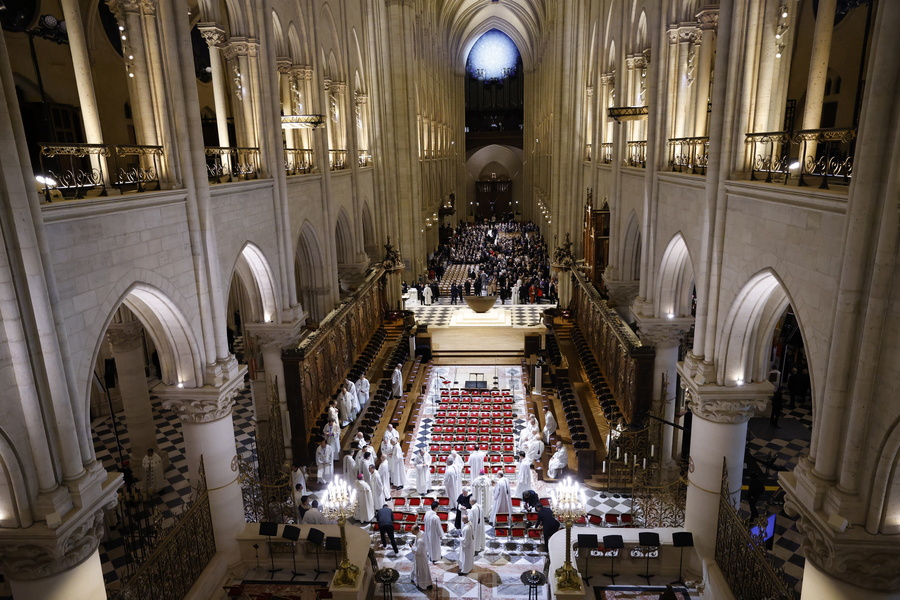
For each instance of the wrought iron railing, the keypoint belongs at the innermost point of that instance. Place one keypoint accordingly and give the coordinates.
(337, 160)
(230, 164)
(742, 557)
(140, 170)
(689, 155)
(636, 154)
(364, 157)
(659, 505)
(180, 556)
(605, 155)
(823, 153)
(587, 153)
(298, 161)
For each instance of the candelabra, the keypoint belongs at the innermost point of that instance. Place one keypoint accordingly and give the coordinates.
(339, 503)
(568, 505)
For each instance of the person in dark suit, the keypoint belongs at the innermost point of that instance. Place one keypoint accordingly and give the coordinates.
(464, 501)
(548, 522)
(384, 516)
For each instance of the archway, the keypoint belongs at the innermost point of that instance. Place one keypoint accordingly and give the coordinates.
(631, 249)
(309, 272)
(675, 283)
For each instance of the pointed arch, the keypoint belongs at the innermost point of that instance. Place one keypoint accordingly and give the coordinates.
(631, 249)
(297, 47)
(368, 231)
(281, 48)
(675, 281)
(884, 501)
(309, 271)
(254, 271)
(15, 505)
(330, 44)
(343, 238)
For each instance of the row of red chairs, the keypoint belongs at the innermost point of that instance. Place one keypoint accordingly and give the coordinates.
(473, 438)
(522, 532)
(505, 429)
(445, 391)
(504, 403)
(500, 456)
(451, 413)
(509, 468)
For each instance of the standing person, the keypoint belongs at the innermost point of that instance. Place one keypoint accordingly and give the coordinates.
(376, 485)
(153, 473)
(558, 462)
(482, 493)
(523, 475)
(314, 516)
(476, 463)
(349, 466)
(476, 520)
(428, 295)
(298, 477)
(468, 286)
(550, 426)
(463, 503)
(333, 414)
(548, 522)
(433, 532)
(452, 484)
(398, 468)
(384, 469)
(345, 407)
(362, 390)
(324, 462)
(332, 433)
(755, 489)
(365, 502)
(421, 571)
(422, 460)
(385, 518)
(466, 548)
(397, 381)
(535, 449)
(777, 406)
(502, 498)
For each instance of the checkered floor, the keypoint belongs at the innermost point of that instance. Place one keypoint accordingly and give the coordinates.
(440, 313)
(115, 553)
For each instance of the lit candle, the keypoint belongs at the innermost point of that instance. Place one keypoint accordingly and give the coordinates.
(652, 450)
(645, 463)
(626, 458)
(603, 467)
(617, 452)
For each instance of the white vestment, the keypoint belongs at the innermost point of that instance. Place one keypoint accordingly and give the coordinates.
(423, 471)
(314, 517)
(298, 477)
(365, 502)
(153, 473)
(333, 414)
(397, 383)
(384, 469)
(324, 463)
(398, 468)
(427, 293)
(558, 462)
(476, 464)
(476, 522)
(466, 549)
(433, 535)
(333, 436)
(549, 426)
(350, 470)
(502, 498)
(362, 390)
(421, 571)
(523, 477)
(452, 484)
(378, 492)
(481, 491)
(535, 449)
(345, 407)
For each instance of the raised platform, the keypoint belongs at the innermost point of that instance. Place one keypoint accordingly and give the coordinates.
(481, 304)
(495, 317)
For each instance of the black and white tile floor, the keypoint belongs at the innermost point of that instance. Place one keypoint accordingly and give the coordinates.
(439, 314)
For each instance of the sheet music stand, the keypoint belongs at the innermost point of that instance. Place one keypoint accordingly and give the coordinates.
(269, 529)
(682, 540)
(612, 543)
(647, 540)
(588, 542)
(293, 534)
(316, 538)
(333, 544)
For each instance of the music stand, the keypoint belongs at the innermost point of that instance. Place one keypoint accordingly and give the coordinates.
(268, 530)
(613, 543)
(590, 543)
(647, 540)
(333, 544)
(682, 540)
(316, 537)
(293, 534)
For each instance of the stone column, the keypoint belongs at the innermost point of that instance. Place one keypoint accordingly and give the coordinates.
(84, 81)
(687, 36)
(719, 431)
(128, 14)
(665, 335)
(126, 342)
(285, 68)
(818, 65)
(215, 38)
(301, 76)
(709, 20)
(208, 430)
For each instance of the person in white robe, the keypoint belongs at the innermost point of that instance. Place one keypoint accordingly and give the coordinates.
(523, 475)
(363, 460)
(398, 468)
(428, 295)
(433, 533)
(333, 413)
(550, 426)
(535, 449)
(362, 390)
(454, 459)
(452, 483)
(524, 438)
(298, 477)
(314, 516)
(384, 469)
(391, 432)
(421, 571)
(376, 485)
(153, 473)
(397, 382)
(350, 390)
(359, 441)
(476, 522)
(483, 494)
(475, 463)
(365, 501)
(466, 548)
(502, 498)
(534, 426)
(324, 462)
(332, 433)
(422, 460)
(558, 462)
(349, 465)
(515, 294)
(345, 407)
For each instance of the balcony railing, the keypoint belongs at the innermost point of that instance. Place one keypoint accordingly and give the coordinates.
(605, 155)
(337, 160)
(364, 157)
(689, 155)
(823, 153)
(587, 153)
(298, 161)
(636, 154)
(74, 170)
(230, 164)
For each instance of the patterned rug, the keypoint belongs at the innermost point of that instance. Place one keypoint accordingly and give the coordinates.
(298, 590)
(637, 593)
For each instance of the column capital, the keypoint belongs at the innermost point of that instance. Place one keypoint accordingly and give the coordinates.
(213, 34)
(623, 293)
(398, 2)
(302, 73)
(361, 98)
(279, 335)
(338, 87)
(720, 404)
(708, 17)
(42, 551)
(125, 336)
(122, 7)
(687, 33)
(202, 405)
(589, 91)
(236, 46)
(663, 333)
(284, 65)
(150, 6)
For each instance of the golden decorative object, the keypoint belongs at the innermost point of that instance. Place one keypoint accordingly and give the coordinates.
(568, 503)
(340, 503)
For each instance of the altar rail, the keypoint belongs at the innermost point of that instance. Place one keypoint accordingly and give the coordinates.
(626, 363)
(315, 368)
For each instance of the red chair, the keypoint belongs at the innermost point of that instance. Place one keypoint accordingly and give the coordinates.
(399, 516)
(510, 470)
(545, 501)
(508, 459)
(518, 517)
(516, 502)
(501, 518)
(399, 502)
(415, 502)
(595, 520)
(443, 501)
(501, 532)
(444, 527)
(626, 519)
(611, 519)
(411, 517)
(517, 533)
(536, 533)
(531, 517)
(581, 520)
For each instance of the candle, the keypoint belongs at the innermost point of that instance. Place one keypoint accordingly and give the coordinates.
(645, 463)
(626, 458)
(652, 450)
(603, 467)
(617, 453)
